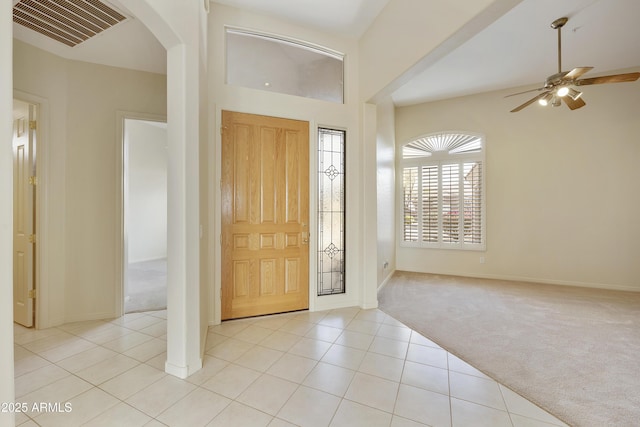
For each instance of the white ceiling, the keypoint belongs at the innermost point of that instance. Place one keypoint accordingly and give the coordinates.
(127, 45)
(344, 17)
(518, 49)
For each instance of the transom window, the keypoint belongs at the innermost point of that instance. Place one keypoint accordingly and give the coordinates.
(276, 64)
(443, 196)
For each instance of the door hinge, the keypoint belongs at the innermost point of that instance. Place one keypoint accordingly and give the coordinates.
(32, 238)
(33, 180)
(32, 293)
(33, 124)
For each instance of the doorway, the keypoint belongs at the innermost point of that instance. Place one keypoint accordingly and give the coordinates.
(24, 212)
(145, 215)
(265, 215)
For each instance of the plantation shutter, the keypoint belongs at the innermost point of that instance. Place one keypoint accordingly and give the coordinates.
(430, 204)
(473, 202)
(443, 194)
(410, 203)
(450, 203)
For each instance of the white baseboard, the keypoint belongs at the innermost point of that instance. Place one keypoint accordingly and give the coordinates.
(386, 280)
(138, 261)
(603, 286)
(93, 316)
(335, 305)
(182, 371)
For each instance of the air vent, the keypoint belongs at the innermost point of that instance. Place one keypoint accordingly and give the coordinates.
(67, 21)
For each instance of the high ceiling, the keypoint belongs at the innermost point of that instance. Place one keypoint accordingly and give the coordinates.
(129, 44)
(345, 17)
(518, 49)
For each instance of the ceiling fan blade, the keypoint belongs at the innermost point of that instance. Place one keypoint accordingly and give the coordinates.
(526, 91)
(577, 72)
(574, 104)
(529, 102)
(615, 78)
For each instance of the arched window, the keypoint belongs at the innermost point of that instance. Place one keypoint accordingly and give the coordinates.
(443, 192)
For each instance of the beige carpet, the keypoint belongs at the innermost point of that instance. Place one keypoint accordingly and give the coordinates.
(573, 351)
(147, 286)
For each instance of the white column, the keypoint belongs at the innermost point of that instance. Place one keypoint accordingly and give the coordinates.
(177, 26)
(183, 253)
(370, 208)
(6, 212)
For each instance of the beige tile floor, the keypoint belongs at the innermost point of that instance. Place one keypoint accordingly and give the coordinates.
(346, 367)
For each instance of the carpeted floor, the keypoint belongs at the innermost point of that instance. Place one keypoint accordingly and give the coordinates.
(146, 286)
(573, 351)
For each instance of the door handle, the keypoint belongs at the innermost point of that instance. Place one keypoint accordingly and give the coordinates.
(305, 237)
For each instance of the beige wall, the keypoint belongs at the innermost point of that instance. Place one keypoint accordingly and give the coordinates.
(373, 64)
(346, 116)
(44, 75)
(96, 93)
(81, 143)
(409, 35)
(562, 187)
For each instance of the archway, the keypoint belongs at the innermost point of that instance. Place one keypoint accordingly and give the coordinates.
(172, 24)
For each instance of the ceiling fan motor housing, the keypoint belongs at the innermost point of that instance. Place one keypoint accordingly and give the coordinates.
(556, 79)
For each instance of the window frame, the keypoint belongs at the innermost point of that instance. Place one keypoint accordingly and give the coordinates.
(283, 42)
(438, 159)
(322, 290)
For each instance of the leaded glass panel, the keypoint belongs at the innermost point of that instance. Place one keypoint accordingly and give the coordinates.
(331, 210)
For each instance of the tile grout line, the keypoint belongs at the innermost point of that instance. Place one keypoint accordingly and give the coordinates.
(315, 322)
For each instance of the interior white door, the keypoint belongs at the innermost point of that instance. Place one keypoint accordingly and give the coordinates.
(24, 142)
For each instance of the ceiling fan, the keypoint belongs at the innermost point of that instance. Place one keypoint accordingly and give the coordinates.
(560, 86)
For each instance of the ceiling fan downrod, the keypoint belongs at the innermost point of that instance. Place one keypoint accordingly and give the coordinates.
(557, 25)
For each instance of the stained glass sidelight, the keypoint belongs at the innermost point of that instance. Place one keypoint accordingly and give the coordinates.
(331, 219)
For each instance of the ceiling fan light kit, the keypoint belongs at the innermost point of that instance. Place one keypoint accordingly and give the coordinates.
(559, 87)
(574, 94)
(544, 101)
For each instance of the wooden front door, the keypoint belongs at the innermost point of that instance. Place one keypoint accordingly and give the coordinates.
(265, 215)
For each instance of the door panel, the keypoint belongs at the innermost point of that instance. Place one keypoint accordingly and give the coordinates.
(265, 214)
(23, 213)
